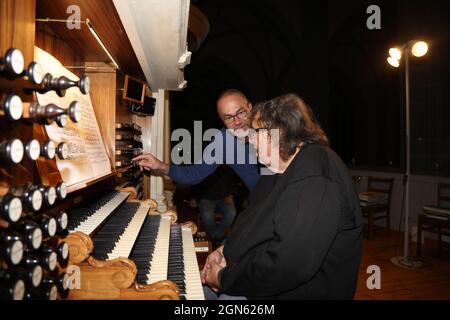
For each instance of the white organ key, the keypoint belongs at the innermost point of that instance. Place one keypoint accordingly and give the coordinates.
(126, 241)
(194, 288)
(158, 265)
(91, 223)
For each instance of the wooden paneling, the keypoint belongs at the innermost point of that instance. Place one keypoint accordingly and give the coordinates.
(106, 22)
(124, 115)
(49, 41)
(123, 110)
(103, 97)
(17, 26)
(17, 30)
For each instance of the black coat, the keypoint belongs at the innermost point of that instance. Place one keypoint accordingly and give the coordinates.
(301, 237)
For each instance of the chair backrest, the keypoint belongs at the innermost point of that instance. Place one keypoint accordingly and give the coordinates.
(356, 180)
(381, 185)
(443, 195)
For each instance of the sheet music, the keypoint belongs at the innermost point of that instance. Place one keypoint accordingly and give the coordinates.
(87, 154)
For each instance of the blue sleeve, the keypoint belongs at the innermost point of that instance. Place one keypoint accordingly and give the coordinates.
(195, 173)
(192, 174)
(213, 156)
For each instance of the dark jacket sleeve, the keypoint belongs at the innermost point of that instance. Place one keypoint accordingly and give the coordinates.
(305, 225)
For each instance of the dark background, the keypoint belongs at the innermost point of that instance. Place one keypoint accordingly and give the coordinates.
(323, 51)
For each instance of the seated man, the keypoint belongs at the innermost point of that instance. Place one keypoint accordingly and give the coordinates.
(301, 236)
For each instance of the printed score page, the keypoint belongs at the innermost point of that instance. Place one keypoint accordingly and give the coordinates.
(88, 159)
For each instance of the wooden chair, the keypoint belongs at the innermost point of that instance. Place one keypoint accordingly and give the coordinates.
(377, 211)
(443, 199)
(434, 224)
(356, 180)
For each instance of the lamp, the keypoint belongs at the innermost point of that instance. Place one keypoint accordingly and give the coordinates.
(417, 49)
(92, 30)
(100, 42)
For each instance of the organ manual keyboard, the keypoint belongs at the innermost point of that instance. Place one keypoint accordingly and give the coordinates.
(126, 251)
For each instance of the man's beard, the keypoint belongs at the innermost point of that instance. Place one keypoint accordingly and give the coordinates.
(240, 133)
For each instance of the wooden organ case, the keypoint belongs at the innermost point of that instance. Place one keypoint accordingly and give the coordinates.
(106, 231)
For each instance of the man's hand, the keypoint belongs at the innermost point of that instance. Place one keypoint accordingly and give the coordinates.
(212, 276)
(148, 161)
(228, 199)
(214, 262)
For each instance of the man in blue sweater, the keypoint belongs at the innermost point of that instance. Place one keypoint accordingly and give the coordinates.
(233, 108)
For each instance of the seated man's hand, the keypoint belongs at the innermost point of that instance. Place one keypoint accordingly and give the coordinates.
(228, 199)
(149, 161)
(212, 276)
(216, 257)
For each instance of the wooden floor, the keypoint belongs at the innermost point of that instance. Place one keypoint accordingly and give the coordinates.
(432, 281)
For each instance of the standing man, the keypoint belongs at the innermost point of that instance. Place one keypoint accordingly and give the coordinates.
(233, 108)
(215, 194)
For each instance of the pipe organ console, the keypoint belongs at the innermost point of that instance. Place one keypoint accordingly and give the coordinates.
(99, 240)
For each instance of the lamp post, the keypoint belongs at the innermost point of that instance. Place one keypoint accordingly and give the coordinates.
(417, 49)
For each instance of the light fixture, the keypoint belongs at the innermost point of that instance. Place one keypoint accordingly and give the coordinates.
(91, 29)
(395, 53)
(94, 33)
(417, 49)
(393, 62)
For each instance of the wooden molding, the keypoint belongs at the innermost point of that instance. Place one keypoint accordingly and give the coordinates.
(191, 225)
(80, 247)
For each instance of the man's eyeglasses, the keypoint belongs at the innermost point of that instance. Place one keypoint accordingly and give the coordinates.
(241, 115)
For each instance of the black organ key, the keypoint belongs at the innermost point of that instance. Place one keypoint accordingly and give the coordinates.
(144, 247)
(106, 238)
(175, 270)
(81, 214)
